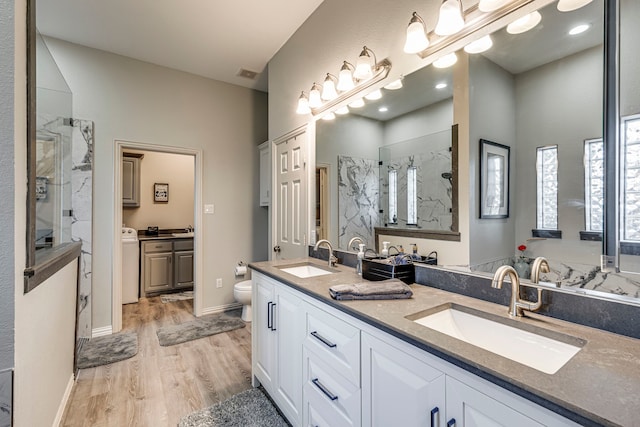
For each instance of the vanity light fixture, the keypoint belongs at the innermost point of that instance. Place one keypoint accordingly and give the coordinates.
(395, 85)
(345, 77)
(525, 23)
(315, 100)
(491, 5)
(373, 96)
(450, 20)
(342, 110)
(358, 103)
(303, 104)
(569, 5)
(481, 45)
(329, 116)
(417, 39)
(441, 85)
(329, 92)
(446, 61)
(578, 29)
(365, 64)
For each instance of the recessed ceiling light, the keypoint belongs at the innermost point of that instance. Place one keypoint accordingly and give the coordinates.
(578, 29)
(441, 85)
(446, 61)
(525, 23)
(357, 103)
(383, 109)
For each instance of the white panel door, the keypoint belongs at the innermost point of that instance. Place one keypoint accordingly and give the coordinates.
(290, 225)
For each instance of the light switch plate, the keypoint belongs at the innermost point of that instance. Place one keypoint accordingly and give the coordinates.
(209, 209)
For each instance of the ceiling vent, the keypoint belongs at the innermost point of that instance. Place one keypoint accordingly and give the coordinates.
(248, 74)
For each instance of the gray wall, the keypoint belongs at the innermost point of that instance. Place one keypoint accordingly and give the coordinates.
(7, 213)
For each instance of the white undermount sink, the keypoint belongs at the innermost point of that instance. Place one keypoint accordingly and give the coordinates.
(537, 348)
(185, 234)
(305, 271)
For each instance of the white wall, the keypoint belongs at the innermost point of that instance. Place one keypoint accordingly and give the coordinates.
(433, 118)
(177, 170)
(131, 100)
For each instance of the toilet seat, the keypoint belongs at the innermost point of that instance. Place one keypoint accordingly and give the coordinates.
(243, 286)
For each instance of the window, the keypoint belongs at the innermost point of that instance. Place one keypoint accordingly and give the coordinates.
(412, 196)
(393, 196)
(630, 182)
(547, 188)
(594, 185)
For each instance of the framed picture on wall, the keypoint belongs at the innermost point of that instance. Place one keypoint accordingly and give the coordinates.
(494, 180)
(160, 193)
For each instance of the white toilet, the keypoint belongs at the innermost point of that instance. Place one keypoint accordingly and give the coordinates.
(242, 294)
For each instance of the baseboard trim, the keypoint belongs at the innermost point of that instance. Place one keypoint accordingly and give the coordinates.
(63, 403)
(99, 332)
(221, 308)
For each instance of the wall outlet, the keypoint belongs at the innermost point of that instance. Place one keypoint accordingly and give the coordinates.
(218, 283)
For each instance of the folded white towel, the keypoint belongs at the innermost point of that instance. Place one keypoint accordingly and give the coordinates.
(385, 289)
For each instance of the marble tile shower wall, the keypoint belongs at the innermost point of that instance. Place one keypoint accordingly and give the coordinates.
(358, 191)
(81, 202)
(5, 397)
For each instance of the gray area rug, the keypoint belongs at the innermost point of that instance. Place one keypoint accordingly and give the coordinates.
(199, 328)
(250, 408)
(108, 349)
(179, 296)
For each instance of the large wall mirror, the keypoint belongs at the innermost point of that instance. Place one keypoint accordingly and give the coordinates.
(389, 164)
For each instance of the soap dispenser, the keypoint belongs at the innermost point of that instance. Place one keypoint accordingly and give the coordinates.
(385, 249)
(360, 258)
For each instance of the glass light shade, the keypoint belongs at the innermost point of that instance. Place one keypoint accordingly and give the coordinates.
(303, 105)
(569, 5)
(491, 5)
(342, 110)
(329, 116)
(364, 66)
(345, 78)
(394, 85)
(417, 40)
(481, 45)
(446, 61)
(450, 20)
(314, 96)
(372, 96)
(525, 23)
(329, 92)
(358, 103)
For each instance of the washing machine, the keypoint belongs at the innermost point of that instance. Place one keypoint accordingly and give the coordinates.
(130, 265)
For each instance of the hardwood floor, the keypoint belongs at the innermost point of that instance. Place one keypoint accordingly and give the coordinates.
(160, 385)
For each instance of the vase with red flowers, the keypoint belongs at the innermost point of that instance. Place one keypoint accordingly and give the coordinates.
(521, 265)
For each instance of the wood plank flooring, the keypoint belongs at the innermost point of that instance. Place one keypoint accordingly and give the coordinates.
(160, 385)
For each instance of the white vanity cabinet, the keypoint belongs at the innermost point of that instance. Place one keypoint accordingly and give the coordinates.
(277, 334)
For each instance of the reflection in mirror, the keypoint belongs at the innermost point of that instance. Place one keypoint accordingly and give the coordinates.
(348, 152)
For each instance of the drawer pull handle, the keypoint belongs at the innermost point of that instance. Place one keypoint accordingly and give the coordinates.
(323, 389)
(434, 411)
(451, 422)
(269, 315)
(323, 340)
(273, 318)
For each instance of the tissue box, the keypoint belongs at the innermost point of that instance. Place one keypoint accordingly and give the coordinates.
(376, 270)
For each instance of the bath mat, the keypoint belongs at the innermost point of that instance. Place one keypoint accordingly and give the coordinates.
(251, 408)
(176, 297)
(108, 349)
(200, 328)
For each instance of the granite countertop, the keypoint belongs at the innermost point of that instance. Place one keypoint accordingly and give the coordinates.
(599, 386)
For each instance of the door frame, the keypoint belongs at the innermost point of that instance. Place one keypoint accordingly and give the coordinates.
(116, 272)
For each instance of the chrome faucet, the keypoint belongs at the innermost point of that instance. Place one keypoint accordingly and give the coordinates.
(332, 259)
(354, 240)
(516, 305)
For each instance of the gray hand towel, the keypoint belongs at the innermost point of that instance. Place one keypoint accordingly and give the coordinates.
(385, 289)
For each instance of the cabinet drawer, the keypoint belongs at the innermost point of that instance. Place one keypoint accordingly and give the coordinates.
(335, 341)
(157, 246)
(334, 398)
(183, 245)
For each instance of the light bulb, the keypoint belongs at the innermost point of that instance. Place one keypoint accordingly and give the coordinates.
(314, 96)
(345, 78)
(446, 61)
(450, 20)
(343, 110)
(364, 65)
(329, 89)
(569, 5)
(481, 45)
(525, 23)
(417, 40)
(491, 5)
(303, 104)
(372, 96)
(358, 103)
